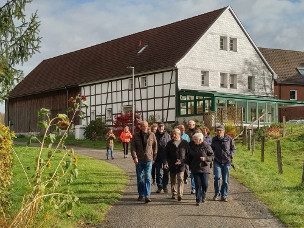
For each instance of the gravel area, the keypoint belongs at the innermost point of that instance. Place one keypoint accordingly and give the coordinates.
(242, 209)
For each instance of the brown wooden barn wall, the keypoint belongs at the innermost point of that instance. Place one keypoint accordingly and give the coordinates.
(23, 111)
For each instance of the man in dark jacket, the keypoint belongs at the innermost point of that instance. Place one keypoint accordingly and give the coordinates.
(144, 151)
(223, 148)
(176, 149)
(162, 177)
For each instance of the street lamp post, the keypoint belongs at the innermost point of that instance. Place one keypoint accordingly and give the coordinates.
(133, 92)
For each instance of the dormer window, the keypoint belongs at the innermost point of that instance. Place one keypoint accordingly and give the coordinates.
(301, 70)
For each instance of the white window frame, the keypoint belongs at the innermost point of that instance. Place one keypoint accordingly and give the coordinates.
(127, 109)
(233, 81)
(233, 44)
(204, 78)
(144, 82)
(109, 113)
(223, 80)
(251, 79)
(295, 94)
(130, 84)
(223, 43)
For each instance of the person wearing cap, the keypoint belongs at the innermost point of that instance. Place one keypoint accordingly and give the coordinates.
(224, 149)
(162, 173)
(143, 151)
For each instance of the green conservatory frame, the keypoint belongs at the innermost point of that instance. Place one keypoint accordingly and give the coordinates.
(196, 103)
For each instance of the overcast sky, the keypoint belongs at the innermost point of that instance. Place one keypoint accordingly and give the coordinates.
(69, 25)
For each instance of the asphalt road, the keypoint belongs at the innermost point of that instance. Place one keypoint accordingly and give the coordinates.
(242, 210)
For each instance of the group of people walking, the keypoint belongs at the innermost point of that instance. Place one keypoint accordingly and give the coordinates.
(187, 152)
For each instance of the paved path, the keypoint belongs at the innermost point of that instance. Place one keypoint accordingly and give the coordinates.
(242, 210)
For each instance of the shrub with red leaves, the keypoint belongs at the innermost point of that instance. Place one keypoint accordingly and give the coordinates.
(122, 120)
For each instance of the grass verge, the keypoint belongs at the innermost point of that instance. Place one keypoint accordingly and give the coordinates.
(99, 184)
(283, 193)
(70, 140)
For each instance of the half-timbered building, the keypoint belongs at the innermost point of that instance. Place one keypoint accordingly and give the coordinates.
(187, 69)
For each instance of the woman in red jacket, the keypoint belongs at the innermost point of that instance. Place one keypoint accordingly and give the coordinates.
(125, 137)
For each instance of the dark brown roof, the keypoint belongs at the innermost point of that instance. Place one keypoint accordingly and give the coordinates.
(285, 63)
(166, 46)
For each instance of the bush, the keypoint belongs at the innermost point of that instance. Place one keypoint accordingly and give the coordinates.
(125, 119)
(5, 168)
(96, 129)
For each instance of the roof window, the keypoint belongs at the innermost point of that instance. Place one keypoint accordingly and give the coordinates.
(142, 49)
(301, 70)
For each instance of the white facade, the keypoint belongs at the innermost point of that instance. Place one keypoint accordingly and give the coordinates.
(241, 62)
(224, 60)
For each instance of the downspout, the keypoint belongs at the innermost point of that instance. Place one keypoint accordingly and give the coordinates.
(6, 121)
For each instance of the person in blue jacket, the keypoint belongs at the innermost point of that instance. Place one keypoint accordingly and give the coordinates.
(224, 149)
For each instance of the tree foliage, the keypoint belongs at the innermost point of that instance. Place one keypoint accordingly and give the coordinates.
(96, 129)
(125, 119)
(19, 41)
(6, 141)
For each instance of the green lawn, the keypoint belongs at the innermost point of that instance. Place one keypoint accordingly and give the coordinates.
(283, 193)
(99, 184)
(70, 140)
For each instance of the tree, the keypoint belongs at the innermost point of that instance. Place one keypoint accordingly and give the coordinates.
(125, 119)
(19, 41)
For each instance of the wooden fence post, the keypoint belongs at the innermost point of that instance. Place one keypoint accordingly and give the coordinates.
(245, 136)
(279, 157)
(253, 145)
(284, 127)
(262, 148)
(303, 174)
(249, 139)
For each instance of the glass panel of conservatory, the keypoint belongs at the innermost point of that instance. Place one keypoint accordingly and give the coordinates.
(207, 105)
(270, 112)
(261, 111)
(199, 107)
(190, 108)
(183, 108)
(252, 111)
(241, 105)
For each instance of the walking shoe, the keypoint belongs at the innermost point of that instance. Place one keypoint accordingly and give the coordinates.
(173, 197)
(186, 181)
(107, 158)
(140, 198)
(193, 191)
(204, 200)
(216, 196)
(197, 204)
(158, 190)
(224, 198)
(147, 200)
(153, 182)
(112, 158)
(166, 190)
(179, 198)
